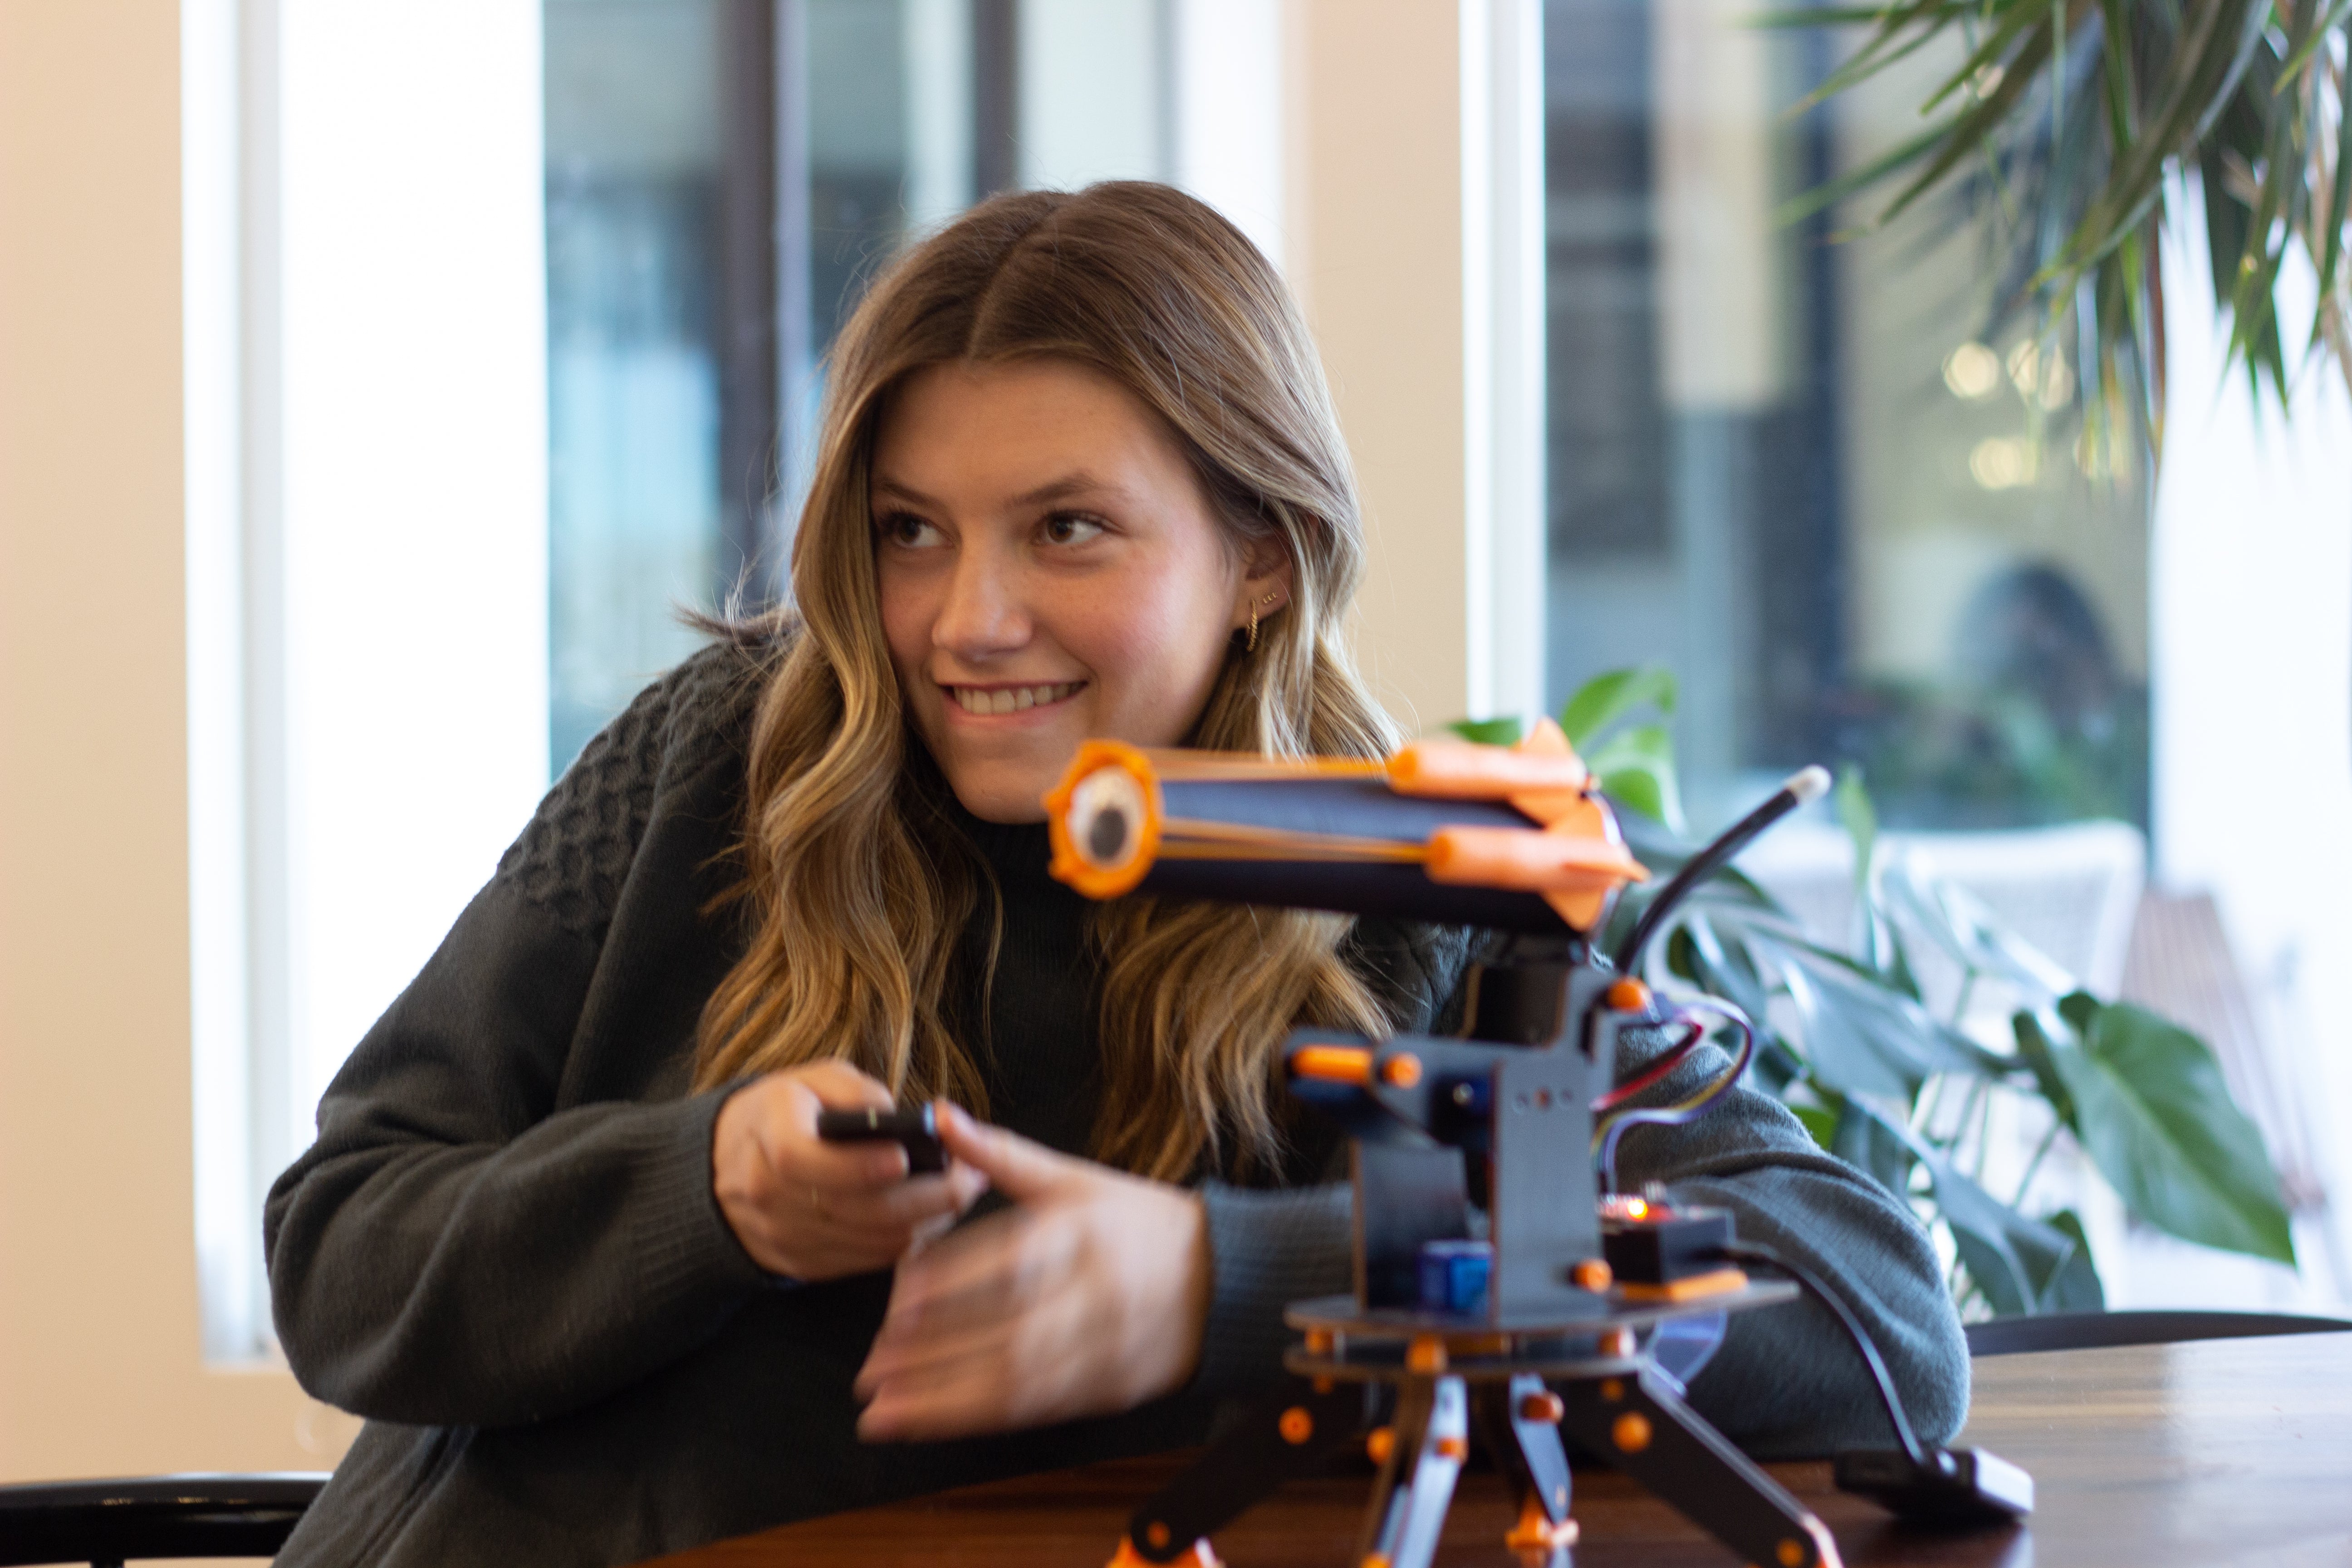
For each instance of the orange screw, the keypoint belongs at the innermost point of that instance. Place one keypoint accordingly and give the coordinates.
(1542, 1406)
(1631, 1432)
(1319, 1341)
(1380, 1444)
(1612, 1389)
(1629, 995)
(1617, 1343)
(1297, 1425)
(1592, 1274)
(1453, 1448)
(1402, 1070)
(1425, 1354)
(1792, 1553)
(1156, 1532)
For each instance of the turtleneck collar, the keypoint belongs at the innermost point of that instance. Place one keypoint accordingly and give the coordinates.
(1018, 852)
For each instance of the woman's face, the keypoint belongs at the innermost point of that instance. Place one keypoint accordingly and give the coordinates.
(1050, 572)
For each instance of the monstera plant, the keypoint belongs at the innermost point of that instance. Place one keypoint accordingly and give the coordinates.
(1848, 1039)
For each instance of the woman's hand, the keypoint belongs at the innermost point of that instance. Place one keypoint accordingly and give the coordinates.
(812, 1210)
(1087, 1299)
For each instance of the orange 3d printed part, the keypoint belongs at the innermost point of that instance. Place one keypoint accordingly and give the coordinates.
(1510, 837)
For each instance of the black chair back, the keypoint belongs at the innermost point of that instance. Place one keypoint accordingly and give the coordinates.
(2095, 1331)
(112, 1522)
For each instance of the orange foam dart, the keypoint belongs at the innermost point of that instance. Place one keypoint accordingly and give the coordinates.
(1527, 860)
(1575, 873)
(1461, 770)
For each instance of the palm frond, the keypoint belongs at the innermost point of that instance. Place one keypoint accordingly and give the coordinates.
(2069, 130)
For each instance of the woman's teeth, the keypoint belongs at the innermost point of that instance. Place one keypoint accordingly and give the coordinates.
(1010, 698)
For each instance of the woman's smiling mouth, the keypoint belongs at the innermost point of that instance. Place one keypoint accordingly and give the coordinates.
(988, 700)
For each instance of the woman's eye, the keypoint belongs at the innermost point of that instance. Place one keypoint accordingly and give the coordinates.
(908, 531)
(1069, 528)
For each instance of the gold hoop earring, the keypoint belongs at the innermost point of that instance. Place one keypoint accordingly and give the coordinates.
(1267, 603)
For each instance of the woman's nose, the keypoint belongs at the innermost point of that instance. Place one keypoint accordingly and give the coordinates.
(985, 612)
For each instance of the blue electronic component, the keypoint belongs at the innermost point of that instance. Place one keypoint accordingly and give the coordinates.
(1454, 1276)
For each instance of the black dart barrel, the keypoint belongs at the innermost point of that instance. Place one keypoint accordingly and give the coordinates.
(1346, 808)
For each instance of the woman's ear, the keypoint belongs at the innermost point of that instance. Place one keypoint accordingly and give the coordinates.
(1266, 585)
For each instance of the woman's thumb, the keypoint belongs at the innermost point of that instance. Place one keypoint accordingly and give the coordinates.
(1013, 1165)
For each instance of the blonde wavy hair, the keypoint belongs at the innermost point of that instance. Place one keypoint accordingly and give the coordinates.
(860, 886)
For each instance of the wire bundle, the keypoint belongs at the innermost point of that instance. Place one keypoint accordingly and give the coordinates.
(1611, 1122)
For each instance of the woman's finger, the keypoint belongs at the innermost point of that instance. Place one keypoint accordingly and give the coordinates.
(988, 1270)
(902, 1204)
(838, 1086)
(1029, 1369)
(842, 1169)
(1014, 1166)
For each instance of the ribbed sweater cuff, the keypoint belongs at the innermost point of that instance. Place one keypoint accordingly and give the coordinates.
(685, 1251)
(1266, 1250)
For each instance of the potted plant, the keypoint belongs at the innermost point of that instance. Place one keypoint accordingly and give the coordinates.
(1847, 1039)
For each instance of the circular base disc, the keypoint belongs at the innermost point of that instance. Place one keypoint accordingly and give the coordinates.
(1340, 1315)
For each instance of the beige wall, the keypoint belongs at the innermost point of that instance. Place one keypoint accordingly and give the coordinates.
(1375, 251)
(99, 1371)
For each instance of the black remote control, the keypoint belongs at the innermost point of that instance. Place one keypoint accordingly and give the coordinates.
(917, 1132)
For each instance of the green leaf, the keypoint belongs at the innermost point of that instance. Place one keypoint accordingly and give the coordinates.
(1822, 1122)
(1860, 819)
(2017, 1261)
(1721, 969)
(1503, 732)
(1637, 766)
(1972, 935)
(2075, 1287)
(1848, 1050)
(2153, 1113)
(1605, 699)
(1903, 1032)
(2041, 1055)
(1865, 1140)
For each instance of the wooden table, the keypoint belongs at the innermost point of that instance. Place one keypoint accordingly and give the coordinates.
(2225, 1451)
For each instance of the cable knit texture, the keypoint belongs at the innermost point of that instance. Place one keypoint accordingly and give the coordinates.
(577, 849)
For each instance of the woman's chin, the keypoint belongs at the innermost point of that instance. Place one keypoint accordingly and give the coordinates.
(995, 792)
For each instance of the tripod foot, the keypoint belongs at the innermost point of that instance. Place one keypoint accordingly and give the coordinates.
(1200, 1554)
(1295, 1430)
(1537, 1532)
(1639, 1425)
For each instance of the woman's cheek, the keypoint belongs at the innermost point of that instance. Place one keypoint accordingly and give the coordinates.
(1156, 660)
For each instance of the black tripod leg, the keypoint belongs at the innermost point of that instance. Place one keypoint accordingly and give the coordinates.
(1293, 1431)
(1640, 1427)
(1432, 1438)
(1519, 1422)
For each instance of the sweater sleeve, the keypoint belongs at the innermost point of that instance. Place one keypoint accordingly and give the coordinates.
(1787, 1383)
(461, 1246)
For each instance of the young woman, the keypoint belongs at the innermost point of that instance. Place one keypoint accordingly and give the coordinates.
(567, 1238)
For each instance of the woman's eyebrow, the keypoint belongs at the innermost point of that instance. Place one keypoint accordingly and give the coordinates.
(1068, 484)
(904, 492)
(1073, 484)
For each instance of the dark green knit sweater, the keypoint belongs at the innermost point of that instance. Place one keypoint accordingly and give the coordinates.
(504, 1251)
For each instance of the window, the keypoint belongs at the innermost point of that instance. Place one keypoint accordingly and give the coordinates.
(482, 394)
(1785, 468)
(722, 178)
